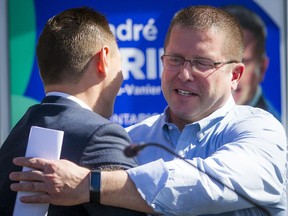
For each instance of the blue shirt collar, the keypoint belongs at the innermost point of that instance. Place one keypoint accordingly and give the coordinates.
(202, 125)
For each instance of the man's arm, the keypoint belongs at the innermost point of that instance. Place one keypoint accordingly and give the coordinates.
(118, 190)
(64, 183)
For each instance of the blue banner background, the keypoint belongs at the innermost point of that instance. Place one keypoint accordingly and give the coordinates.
(140, 28)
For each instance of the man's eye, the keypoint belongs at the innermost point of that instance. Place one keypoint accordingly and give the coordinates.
(202, 63)
(175, 61)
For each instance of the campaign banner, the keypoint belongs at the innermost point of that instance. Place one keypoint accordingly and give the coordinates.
(140, 28)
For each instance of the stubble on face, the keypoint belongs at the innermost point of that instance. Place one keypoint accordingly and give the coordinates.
(194, 99)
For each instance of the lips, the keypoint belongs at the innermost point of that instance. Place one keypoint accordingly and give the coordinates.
(184, 93)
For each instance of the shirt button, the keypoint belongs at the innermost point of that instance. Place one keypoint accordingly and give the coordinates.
(200, 135)
(181, 153)
(170, 127)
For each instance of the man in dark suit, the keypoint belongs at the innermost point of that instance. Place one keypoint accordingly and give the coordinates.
(249, 91)
(80, 66)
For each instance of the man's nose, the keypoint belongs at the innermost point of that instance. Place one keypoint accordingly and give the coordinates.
(186, 72)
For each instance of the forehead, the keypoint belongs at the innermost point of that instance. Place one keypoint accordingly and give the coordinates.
(206, 43)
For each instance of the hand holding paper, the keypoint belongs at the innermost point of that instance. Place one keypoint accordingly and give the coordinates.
(44, 143)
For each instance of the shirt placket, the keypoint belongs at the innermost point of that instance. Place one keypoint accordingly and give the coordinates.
(188, 140)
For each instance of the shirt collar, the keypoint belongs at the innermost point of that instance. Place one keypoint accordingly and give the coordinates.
(205, 123)
(70, 97)
(218, 114)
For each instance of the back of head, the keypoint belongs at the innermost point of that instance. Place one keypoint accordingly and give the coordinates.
(208, 17)
(67, 43)
(251, 22)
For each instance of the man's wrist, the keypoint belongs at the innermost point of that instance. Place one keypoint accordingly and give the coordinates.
(95, 186)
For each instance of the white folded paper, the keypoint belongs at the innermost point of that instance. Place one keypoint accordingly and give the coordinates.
(44, 143)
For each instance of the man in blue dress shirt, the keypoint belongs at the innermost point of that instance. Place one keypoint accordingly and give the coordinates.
(237, 154)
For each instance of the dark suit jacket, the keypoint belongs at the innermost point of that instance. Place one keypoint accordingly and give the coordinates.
(266, 105)
(89, 140)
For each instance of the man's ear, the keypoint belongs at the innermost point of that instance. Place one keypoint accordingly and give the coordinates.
(236, 75)
(103, 62)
